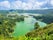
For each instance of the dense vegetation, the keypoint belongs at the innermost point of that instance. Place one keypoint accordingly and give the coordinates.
(39, 33)
(47, 18)
(7, 25)
(7, 28)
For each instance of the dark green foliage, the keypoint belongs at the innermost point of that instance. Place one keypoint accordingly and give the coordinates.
(36, 26)
(20, 18)
(45, 33)
(51, 32)
(6, 26)
(47, 18)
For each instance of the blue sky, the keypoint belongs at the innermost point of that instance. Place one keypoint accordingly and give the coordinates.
(26, 4)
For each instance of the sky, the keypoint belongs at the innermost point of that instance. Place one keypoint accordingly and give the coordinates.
(26, 4)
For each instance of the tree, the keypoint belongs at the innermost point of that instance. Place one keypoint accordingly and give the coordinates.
(36, 26)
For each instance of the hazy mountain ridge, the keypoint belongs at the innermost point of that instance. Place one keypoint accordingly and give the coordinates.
(40, 11)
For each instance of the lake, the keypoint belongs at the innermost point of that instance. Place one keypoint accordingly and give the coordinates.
(26, 26)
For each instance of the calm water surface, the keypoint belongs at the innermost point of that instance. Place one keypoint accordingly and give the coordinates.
(25, 26)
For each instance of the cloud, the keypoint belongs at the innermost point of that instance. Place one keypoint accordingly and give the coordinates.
(29, 5)
(21, 5)
(51, 2)
(5, 4)
(16, 5)
(38, 5)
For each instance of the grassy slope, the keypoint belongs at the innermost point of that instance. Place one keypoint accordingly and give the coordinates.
(41, 31)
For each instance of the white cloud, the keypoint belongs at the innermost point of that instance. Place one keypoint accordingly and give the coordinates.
(16, 5)
(5, 4)
(27, 6)
(31, 4)
(21, 5)
(38, 5)
(51, 2)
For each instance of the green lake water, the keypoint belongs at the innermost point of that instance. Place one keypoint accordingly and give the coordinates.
(25, 26)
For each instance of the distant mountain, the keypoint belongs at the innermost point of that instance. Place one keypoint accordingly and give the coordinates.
(44, 11)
